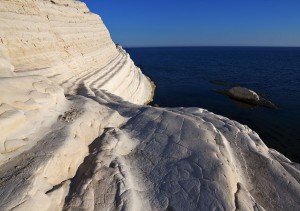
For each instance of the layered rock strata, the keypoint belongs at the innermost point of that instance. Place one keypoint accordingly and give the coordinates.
(63, 41)
(73, 136)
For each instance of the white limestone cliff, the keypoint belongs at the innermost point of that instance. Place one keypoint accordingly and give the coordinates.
(75, 134)
(63, 41)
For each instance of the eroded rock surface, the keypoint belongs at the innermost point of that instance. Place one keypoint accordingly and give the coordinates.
(62, 40)
(249, 96)
(244, 94)
(69, 139)
(183, 159)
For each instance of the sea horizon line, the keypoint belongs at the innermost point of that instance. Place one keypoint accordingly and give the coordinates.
(208, 46)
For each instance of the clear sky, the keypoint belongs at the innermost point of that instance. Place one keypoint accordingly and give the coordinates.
(143, 23)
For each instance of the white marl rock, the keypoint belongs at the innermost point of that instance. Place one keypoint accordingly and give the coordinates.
(62, 40)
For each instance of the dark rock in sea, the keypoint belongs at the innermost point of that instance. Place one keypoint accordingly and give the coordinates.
(244, 94)
(247, 96)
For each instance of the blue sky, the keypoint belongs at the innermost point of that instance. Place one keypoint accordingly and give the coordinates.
(141, 23)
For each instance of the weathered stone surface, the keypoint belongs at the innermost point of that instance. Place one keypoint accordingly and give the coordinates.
(248, 96)
(63, 41)
(38, 150)
(182, 159)
(245, 94)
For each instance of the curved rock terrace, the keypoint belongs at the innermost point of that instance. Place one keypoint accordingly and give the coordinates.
(76, 133)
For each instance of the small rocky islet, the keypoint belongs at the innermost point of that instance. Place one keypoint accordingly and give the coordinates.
(246, 95)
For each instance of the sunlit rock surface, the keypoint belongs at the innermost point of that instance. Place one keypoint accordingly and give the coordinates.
(62, 40)
(182, 159)
(70, 140)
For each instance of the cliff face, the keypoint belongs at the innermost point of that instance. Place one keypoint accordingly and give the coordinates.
(69, 141)
(63, 41)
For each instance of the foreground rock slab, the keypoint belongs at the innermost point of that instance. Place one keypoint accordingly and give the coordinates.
(115, 155)
(40, 151)
(182, 159)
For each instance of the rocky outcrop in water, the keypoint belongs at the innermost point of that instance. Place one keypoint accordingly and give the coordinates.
(75, 135)
(249, 96)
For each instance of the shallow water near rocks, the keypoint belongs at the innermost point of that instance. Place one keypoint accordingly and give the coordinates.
(183, 78)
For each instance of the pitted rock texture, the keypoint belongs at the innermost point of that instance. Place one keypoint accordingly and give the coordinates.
(182, 159)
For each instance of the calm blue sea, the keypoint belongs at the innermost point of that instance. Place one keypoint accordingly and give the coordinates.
(183, 75)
